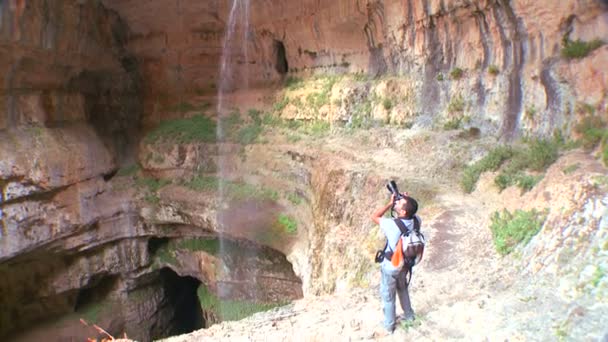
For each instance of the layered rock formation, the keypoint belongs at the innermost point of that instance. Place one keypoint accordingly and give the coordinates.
(81, 77)
(499, 59)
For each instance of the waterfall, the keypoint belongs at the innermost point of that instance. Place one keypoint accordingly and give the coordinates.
(234, 48)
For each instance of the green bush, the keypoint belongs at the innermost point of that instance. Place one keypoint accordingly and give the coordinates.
(255, 115)
(530, 112)
(491, 162)
(493, 70)
(540, 154)
(456, 73)
(203, 183)
(294, 198)
(592, 129)
(440, 77)
(195, 129)
(249, 134)
(318, 128)
(579, 49)
(293, 83)
(279, 106)
(512, 229)
(387, 104)
(453, 123)
(456, 104)
(289, 224)
(537, 155)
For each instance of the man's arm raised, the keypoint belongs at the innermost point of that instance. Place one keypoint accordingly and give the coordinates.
(377, 215)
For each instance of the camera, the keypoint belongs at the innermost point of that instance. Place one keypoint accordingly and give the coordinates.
(392, 187)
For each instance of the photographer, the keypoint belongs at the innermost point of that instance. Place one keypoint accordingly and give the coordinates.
(393, 279)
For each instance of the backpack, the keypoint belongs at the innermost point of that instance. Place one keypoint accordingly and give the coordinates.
(410, 245)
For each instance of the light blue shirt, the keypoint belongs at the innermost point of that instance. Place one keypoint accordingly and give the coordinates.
(392, 233)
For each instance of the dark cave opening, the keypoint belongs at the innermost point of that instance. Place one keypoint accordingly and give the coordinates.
(281, 65)
(180, 294)
(98, 290)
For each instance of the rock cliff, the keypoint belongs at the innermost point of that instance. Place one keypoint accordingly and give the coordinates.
(128, 200)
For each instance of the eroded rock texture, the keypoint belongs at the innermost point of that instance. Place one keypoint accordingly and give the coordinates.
(508, 52)
(70, 108)
(80, 77)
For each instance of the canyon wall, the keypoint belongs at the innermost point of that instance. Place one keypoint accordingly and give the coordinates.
(82, 77)
(500, 61)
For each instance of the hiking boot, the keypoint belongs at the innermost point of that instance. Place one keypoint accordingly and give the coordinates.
(403, 318)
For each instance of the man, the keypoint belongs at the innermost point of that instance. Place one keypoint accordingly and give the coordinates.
(394, 279)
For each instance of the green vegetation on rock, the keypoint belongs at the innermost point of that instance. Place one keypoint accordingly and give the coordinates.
(515, 164)
(512, 229)
(230, 310)
(288, 223)
(579, 48)
(233, 190)
(187, 130)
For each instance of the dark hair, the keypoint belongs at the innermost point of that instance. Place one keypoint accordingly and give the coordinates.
(410, 206)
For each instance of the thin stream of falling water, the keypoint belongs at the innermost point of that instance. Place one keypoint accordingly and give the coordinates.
(234, 45)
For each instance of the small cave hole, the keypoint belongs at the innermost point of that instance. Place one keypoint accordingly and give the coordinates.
(110, 175)
(181, 295)
(281, 65)
(155, 243)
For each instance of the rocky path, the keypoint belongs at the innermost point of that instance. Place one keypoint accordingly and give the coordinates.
(462, 290)
(451, 292)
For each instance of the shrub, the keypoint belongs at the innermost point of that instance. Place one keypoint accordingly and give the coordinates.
(271, 120)
(536, 156)
(491, 162)
(453, 123)
(579, 49)
(294, 198)
(512, 229)
(318, 128)
(228, 124)
(592, 130)
(289, 224)
(493, 70)
(440, 77)
(540, 154)
(456, 104)
(293, 83)
(195, 129)
(279, 106)
(530, 112)
(456, 73)
(255, 115)
(249, 134)
(387, 104)
(203, 183)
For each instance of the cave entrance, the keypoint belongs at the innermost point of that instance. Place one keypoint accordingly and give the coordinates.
(281, 65)
(180, 294)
